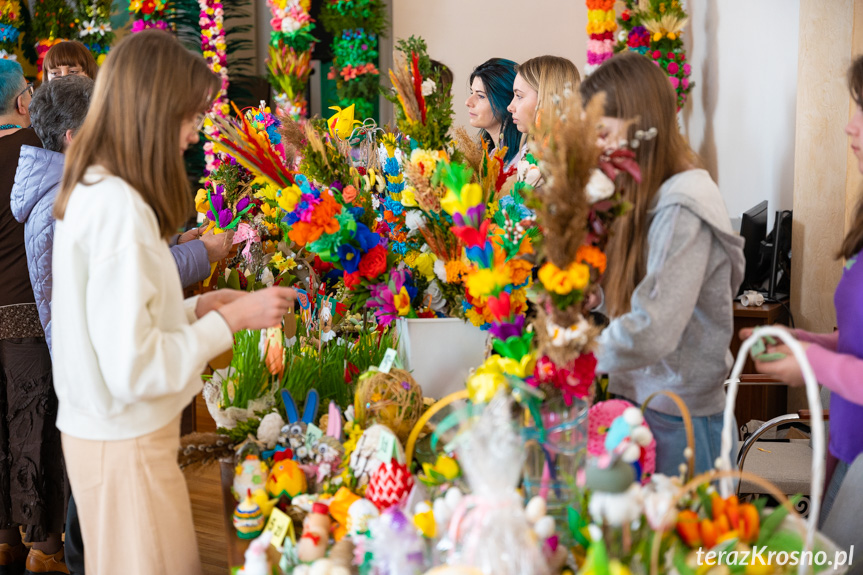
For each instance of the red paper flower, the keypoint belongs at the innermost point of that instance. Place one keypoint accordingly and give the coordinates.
(374, 263)
(352, 280)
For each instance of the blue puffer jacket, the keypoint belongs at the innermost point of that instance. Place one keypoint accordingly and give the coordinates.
(37, 182)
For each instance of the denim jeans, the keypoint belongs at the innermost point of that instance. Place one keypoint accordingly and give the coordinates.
(832, 491)
(670, 434)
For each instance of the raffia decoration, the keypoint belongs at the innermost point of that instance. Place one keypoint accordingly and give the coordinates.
(562, 355)
(564, 143)
(393, 399)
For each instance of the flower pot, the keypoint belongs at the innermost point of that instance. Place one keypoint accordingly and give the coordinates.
(440, 353)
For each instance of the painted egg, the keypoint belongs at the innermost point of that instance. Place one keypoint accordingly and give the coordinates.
(248, 519)
(389, 485)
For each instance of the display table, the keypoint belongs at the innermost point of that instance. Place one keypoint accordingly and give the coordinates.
(761, 397)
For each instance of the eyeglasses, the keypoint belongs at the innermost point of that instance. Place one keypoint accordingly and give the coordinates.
(199, 122)
(29, 88)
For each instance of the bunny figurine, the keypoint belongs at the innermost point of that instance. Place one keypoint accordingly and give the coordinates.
(293, 434)
(329, 451)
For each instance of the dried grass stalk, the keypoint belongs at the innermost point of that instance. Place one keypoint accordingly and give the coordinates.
(427, 196)
(565, 145)
(470, 148)
(400, 76)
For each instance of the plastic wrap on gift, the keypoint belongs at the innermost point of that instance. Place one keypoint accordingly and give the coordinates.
(489, 529)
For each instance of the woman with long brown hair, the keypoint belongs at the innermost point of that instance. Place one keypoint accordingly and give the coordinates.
(674, 266)
(128, 350)
(837, 358)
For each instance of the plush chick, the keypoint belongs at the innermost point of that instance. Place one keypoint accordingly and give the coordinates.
(286, 478)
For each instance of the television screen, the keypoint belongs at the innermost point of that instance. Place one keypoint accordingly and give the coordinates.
(753, 229)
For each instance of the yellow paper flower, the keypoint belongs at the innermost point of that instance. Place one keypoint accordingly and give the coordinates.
(425, 160)
(289, 197)
(559, 281)
(471, 195)
(408, 198)
(425, 522)
(484, 282)
(402, 302)
(424, 264)
(486, 380)
(202, 205)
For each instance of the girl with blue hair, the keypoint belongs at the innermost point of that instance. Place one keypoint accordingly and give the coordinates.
(490, 93)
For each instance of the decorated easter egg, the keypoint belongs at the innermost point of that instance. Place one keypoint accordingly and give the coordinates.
(389, 484)
(248, 519)
(360, 513)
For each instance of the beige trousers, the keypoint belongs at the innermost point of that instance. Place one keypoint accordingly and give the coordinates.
(133, 504)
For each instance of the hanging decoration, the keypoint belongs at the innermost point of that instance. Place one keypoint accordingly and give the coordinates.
(10, 20)
(601, 25)
(53, 22)
(291, 45)
(149, 14)
(214, 50)
(355, 26)
(654, 28)
(94, 27)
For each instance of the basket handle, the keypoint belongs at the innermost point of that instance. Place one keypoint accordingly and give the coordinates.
(687, 422)
(814, 400)
(426, 417)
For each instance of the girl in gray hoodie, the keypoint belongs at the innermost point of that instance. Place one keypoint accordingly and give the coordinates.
(674, 266)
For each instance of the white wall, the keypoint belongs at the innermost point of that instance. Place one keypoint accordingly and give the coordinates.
(465, 33)
(741, 117)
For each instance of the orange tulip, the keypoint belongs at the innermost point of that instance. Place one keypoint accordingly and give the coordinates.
(732, 511)
(718, 505)
(708, 533)
(749, 522)
(687, 527)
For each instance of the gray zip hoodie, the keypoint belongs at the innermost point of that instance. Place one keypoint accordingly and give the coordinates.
(676, 335)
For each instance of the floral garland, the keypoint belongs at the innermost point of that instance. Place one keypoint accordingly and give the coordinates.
(601, 25)
(654, 28)
(291, 45)
(148, 14)
(94, 27)
(355, 26)
(214, 49)
(10, 18)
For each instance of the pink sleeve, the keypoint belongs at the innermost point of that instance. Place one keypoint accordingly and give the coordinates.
(825, 340)
(841, 373)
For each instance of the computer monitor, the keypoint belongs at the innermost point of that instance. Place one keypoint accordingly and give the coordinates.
(780, 263)
(753, 229)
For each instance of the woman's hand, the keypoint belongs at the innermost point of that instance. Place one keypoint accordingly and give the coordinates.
(258, 310)
(216, 299)
(218, 245)
(747, 332)
(787, 369)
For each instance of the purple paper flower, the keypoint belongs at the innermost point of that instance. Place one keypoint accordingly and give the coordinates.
(504, 331)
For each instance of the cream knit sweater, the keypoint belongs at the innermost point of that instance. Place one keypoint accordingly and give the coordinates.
(128, 350)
